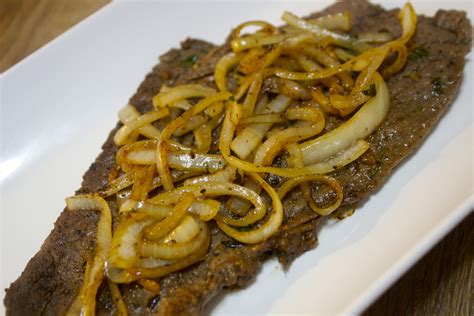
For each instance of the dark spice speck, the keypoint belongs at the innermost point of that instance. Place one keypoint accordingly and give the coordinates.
(371, 91)
(437, 86)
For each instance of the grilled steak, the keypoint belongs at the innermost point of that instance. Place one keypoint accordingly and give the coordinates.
(420, 94)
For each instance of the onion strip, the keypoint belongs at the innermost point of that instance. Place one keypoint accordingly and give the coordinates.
(120, 138)
(85, 302)
(123, 253)
(206, 209)
(296, 160)
(117, 299)
(268, 228)
(244, 143)
(182, 92)
(129, 113)
(241, 206)
(117, 185)
(186, 230)
(338, 21)
(252, 94)
(275, 143)
(289, 184)
(225, 175)
(256, 40)
(185, 161)
(262, 118)
(265, 27)
(222, 68)
(160, 229)
(176, 250)
(342, 40)
(153, 273)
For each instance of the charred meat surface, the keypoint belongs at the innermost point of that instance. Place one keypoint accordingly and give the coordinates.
(420, 94)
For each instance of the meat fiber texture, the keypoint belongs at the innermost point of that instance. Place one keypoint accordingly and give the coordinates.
(53, 277)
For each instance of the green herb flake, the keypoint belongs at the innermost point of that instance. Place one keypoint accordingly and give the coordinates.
(437, 86)
(413, 75)
(190, 61)
(371, 91)
(232, 98)
(418, 52)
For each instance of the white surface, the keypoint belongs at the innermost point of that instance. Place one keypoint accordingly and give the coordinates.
(58, 105)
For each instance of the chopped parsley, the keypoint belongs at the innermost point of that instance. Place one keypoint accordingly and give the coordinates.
(418, 52)
(371, 91)
(413, 75)
(190, 61)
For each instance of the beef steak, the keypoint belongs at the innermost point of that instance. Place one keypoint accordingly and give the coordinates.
(420, 94)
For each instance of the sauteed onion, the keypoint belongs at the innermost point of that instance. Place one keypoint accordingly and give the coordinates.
(202, 157)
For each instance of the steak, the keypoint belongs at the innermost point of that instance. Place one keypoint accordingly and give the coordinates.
(420, 94)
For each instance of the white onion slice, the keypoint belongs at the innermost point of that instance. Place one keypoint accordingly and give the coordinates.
(268, 228)
(186, 231)
(245, 142)
(85, 302)
(175, 250)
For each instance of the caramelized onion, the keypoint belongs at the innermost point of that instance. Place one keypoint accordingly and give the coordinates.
(120, 137)
(275, 143)
(161, 148)
(181, 93)
(289, 184)
(244, 143)
(226, 175)
(129, 113)
(265, 27)
(268, 228)
(262, 118)
(338, 21)
(320, 33)
(123, 251)
(256, 40)
(161, 228)
(206, 209)
(186, 230)
(85, 302)
(223, 66)
(175, 250)
(117, 298)
(153, 273)
(241, 206)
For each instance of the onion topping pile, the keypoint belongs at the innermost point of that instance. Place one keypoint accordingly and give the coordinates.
(204, 153)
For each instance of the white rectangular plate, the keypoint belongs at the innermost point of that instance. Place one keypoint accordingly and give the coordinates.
(58, 105)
